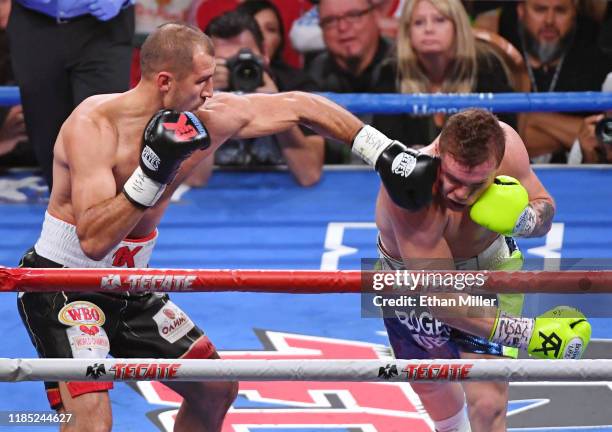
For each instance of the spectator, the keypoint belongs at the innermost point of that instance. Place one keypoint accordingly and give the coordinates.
(307, 37)
(62, 53)
(436, 52)
(353, 58)
(206, 10)
(594, 141)
(14, 148)
(239, 46)
(270, 23)
(557, 43)
(354, 47)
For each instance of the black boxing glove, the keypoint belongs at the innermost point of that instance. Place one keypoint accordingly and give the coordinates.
(169, 138)
(408, 176)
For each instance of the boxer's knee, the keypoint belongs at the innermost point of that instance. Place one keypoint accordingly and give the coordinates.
(91, 412)
(487, 406)
(213, 395)
(209, 397)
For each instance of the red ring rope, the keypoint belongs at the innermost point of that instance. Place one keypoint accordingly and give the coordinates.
(277, 281)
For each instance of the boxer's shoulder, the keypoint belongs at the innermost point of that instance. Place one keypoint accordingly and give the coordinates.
(429, 221)
(94, 113)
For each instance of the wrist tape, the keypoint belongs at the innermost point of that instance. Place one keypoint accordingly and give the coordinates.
(526, 222)
(142, 189)
(512, 331)
(369, 144)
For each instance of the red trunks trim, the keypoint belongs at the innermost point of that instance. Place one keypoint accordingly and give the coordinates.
(200, 349)
(76, 388)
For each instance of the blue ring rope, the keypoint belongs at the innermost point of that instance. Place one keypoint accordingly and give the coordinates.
(392, 103)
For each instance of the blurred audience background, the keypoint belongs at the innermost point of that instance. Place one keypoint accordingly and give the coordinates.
(343, 46)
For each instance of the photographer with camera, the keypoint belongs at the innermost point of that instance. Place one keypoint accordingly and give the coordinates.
(242, 67)
(594, 142)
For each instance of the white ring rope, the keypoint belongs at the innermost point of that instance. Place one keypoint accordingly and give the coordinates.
(303, 370)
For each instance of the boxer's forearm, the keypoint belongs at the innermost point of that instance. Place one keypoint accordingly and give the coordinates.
(326, 117)
(477, 320)
(105, 225)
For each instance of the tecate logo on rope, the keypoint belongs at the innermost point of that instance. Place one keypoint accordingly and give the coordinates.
(428, 372)
(148, 282)
(135, 371)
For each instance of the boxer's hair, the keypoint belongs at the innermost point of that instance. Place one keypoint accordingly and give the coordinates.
(472, 137)
(170, 47)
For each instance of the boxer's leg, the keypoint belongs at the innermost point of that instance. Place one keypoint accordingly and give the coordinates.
(487, 401)
(154, 327)
(91, 411)
(444, 402)
(40, 314)
(205, 403)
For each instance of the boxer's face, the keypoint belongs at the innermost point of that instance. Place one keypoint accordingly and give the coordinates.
(191, 90)
(461, 185)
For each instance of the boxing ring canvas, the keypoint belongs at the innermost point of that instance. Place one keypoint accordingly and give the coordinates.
(265, 221)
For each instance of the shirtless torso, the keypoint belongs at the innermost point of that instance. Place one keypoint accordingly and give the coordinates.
(111, 113)
(99, 146)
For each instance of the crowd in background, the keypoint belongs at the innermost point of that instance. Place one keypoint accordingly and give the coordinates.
(344, 46)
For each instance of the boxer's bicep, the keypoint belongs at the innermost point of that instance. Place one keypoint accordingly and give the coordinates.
(517, 164)
(228, 116)
(90, 153)
(269, 114)
(266, 114)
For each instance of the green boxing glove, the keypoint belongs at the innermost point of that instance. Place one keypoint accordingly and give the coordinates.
(561, 333)
(504, 208)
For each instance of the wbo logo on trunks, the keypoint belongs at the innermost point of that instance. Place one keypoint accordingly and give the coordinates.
(81, 313)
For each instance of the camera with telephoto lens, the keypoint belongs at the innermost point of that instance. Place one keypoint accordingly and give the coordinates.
(603, 130)
(245, 71)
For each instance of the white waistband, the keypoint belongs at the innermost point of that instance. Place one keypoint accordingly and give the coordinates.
(59, 243)
(490, 258)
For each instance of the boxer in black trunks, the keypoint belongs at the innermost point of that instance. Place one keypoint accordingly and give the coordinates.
(111, 188)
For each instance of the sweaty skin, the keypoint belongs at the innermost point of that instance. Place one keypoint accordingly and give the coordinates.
(99, 147)
(445, 231)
